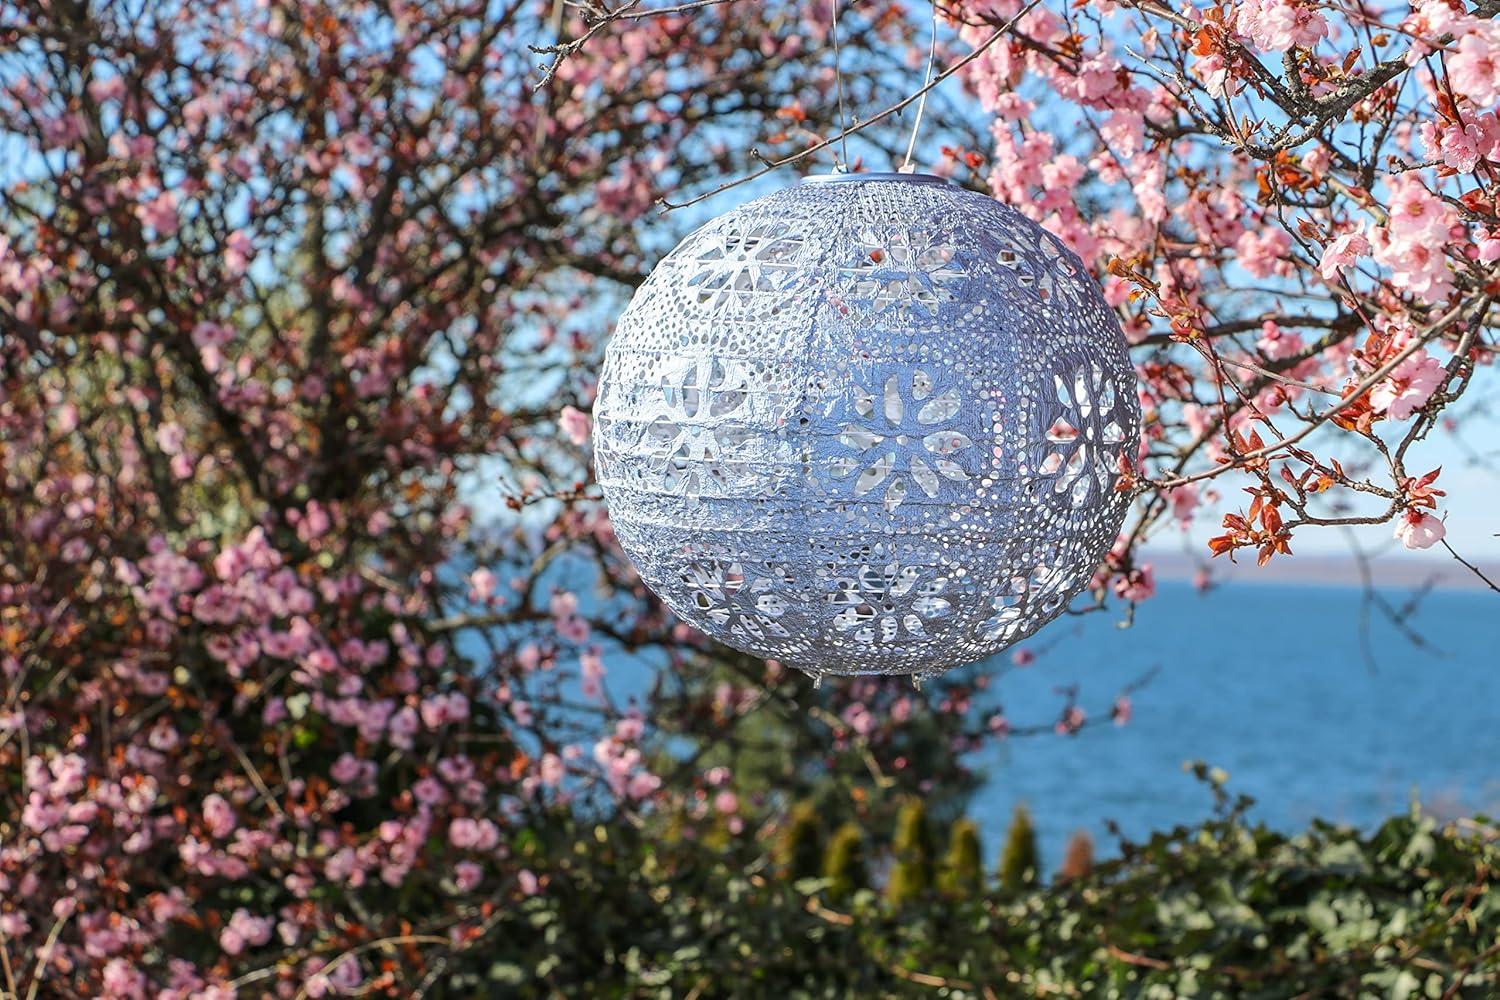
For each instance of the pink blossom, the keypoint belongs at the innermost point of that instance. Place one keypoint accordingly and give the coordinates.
(1278, 25)
(169, 438)
(1217, 79)
(245, 931)
(1073, 719)
(1459, 145)
(159, 214)
(1343, 252)
(238, 252)
(642, 784)
(1184, 502)
(1408, 387)
(107, 88)
(1263, 253)
(726, 802)
(312, 522)
(481, 585)
(860, 718)
(351, 770)
(630, 728)
(551, 769)
(591, 672)
(570, 625)
(1417, 529)
(122, 981)
(1474, 68)
(574, 424)
(441, 709)
(218, 815)
(521, 711)
(1137, 585)
(1417, 260)
(404, 725)
(1416, 211)
(467, 875)
(473, 834)
(430, 791)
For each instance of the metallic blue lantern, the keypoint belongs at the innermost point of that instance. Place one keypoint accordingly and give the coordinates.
(871, 423)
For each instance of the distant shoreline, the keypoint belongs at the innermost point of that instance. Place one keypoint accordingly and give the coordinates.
(1385, 571)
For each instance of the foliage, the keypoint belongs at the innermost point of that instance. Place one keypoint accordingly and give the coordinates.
(799, 848)
(962, 871)
(1020, 864)
(1225, 909)
(844, 868)
(912, 848)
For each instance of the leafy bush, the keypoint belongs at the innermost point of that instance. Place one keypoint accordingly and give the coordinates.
(844, 867)
(1020, 864)
(911, 872)
(1225, 909)
(799, 852)
(962, 873)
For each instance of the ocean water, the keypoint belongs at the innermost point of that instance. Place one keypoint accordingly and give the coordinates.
(1270, 682)
(1311, 712)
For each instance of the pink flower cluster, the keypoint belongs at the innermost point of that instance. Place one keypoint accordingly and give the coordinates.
(1414, 242)
(1279, 25)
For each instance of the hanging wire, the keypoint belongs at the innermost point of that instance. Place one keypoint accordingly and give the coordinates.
(838, 75)
(906, 166)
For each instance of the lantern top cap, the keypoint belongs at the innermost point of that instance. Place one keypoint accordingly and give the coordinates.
(875, 175)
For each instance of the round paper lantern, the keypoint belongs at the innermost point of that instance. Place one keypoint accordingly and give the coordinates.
(871, 423)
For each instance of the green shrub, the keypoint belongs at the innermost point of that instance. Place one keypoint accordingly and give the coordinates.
(1221, 910)
(799, 851)
(911, 871)
(844, 864)
(1020, 864)
(962, 872)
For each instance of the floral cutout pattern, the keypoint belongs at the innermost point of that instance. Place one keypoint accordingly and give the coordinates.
(747, 604)
(1084, 441)
(739, 263)
(688, 444)
(879, 602)
(904, 271)
(1008, 619)
(907, 437)
(1039, 265)
(1020, 598)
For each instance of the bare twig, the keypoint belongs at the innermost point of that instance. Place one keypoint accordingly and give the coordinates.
(1471, 567)
(1370, 381)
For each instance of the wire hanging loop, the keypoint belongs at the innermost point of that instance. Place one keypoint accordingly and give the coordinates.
(838, 76)
(916, 124)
